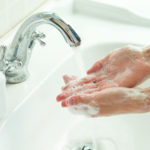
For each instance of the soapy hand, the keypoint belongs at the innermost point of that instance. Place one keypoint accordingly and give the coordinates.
(110, 101)
(99, 93)
(126, 67)
(91, 101)
(86, 85)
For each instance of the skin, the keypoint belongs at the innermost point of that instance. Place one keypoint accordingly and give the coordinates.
(109, 83)
(112, 101)
(126, 66)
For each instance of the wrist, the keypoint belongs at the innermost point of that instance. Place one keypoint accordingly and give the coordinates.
(146, 92)
(146, 54)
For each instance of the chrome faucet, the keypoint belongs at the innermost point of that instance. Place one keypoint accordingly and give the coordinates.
(14, 59)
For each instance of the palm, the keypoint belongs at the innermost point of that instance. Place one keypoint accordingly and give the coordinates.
(124, 67)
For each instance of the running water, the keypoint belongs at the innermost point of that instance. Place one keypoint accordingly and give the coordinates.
(81, 109)
(79, 61)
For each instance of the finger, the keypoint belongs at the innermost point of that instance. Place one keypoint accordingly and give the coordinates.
(87, 79)
(146, 49)
(90, 91)
(62, 96)
(71, 85)
(63, 88)
(75, 100)
(99, 77)
(96, 67)
(106, 84)
(88, 88)
(72, 101)
(78, 83)
(67, 78)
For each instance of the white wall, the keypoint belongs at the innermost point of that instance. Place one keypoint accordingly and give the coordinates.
(13, 11)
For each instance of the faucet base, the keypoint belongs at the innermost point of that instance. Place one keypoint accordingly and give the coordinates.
(17, 78)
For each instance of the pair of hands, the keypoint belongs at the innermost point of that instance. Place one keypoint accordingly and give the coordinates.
(109, 84)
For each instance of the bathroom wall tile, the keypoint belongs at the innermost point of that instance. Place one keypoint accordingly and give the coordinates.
(4, 22)
(12, 12)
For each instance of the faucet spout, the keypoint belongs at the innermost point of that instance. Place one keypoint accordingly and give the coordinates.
(18, 55)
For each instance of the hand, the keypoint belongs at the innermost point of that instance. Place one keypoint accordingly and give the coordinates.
(110, 101)
(125, 67)
(86, 85)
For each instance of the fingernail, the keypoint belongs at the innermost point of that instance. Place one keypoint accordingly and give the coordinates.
(58, 98)
(71, 101)
(63, 104)
(62, 96)
(89, 71)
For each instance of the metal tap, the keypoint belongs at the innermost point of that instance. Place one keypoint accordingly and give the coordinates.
(14, 59)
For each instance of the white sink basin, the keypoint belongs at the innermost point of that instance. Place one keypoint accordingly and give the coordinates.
(2, 96)
(39, 123)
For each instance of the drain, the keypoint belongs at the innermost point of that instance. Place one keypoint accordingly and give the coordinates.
(84, 147)
(87, 147)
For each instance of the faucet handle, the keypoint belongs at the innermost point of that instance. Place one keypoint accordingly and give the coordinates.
(38, 36)
(2, 51)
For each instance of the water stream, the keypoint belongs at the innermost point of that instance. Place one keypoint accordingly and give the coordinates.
(79, 60)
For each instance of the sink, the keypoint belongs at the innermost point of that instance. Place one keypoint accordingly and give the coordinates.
(39, 122)
(2, 96)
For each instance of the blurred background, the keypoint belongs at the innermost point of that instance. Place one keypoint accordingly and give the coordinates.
(131, 11)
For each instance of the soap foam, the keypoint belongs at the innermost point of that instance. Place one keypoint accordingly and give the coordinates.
(137, 95)
(84, 109)
(134, 48)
